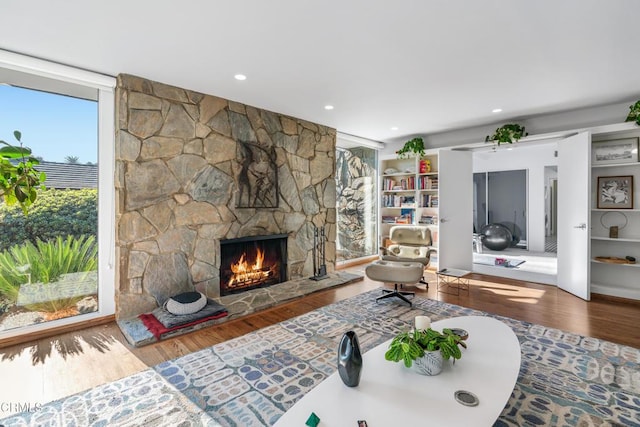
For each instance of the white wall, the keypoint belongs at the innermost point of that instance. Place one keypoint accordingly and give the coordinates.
(544, 123)
(534, 159)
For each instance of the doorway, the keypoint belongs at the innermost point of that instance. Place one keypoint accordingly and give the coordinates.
(551, 209)
(530, 261)
(500, 197)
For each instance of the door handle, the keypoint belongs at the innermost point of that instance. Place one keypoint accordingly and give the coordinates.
(443, 220)
(581, 226)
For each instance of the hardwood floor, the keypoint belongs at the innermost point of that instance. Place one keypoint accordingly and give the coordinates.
(51, 368)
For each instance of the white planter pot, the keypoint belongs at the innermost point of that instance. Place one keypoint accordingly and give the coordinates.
(429, 364)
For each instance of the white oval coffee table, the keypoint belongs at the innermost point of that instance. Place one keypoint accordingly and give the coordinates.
(391, 395)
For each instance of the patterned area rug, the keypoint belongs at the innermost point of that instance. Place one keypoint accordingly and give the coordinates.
(565, 379)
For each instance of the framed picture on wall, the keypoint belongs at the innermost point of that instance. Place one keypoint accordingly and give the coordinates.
(615, 151)
(615, 192)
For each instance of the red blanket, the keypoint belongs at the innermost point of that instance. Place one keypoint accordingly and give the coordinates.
(158, 329)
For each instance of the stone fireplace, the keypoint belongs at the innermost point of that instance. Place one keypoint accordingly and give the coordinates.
(252, 262)
(182, 162)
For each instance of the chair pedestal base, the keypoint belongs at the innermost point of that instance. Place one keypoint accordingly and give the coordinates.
(396, 293)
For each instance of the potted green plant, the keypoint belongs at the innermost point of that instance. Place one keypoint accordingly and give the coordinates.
(425, 349)
(509, 133)
(412, 148)
(634, 113)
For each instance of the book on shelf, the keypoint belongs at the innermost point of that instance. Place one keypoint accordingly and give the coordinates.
(408, 183)
(395, 200)
(429, 201)
(428, 183)
(402, 220)
(390, 184)
(408, 202)
(408, 214)
(428, 219)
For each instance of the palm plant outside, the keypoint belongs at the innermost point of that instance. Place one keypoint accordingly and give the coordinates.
(42, 270)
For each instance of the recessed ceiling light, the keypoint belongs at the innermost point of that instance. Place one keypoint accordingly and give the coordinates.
(395, 128)
(328, 107)
(240, 77)
(497, 110)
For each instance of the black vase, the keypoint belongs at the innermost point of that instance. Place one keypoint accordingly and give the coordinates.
(349, 359)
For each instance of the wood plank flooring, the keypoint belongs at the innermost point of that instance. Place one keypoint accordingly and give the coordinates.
(51, 368)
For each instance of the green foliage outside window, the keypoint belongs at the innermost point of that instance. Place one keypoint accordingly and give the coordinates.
(19, 179)
(55, 213)
(45, 262)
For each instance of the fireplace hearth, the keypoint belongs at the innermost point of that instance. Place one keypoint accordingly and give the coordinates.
(252, 262)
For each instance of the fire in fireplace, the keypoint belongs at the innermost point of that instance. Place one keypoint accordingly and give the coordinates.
(252, 262)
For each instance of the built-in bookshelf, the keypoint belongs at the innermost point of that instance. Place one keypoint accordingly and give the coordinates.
(615, 215)
(409, 193)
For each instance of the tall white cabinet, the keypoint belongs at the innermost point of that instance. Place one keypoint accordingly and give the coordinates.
(613, 278)
(584, 226)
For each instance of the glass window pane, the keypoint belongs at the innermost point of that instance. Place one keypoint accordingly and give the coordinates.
(356, 203)
(49, 258)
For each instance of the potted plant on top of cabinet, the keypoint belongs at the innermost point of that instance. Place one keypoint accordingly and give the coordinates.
(412, 148)
(509, 133)
(634, 113)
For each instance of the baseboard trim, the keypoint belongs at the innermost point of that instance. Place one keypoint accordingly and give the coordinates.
(58, 330)
(359, 261)
(615, 299)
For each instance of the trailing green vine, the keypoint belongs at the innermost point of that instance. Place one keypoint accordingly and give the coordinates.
(412, 148)
(508, 133)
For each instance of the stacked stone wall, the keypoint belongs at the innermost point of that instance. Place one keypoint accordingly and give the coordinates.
(177, 181)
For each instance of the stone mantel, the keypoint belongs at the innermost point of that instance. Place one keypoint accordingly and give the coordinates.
(177, 181)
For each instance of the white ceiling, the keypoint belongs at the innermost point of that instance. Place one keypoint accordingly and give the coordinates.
(424, 66)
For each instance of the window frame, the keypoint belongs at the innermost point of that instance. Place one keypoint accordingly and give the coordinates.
(347, 142)
(105, 86)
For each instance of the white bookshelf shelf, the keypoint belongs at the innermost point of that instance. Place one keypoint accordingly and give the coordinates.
(615, 165)
(609, 239)
(636, 265)
(615, 210)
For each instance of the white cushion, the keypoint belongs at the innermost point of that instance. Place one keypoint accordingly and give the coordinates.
(186, 303)
(402, 251)
(395, 272)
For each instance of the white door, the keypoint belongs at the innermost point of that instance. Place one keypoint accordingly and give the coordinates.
(455, 176)
(574, 188)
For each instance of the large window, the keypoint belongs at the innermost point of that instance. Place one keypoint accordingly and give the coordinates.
(57, 262)
(356, 203)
